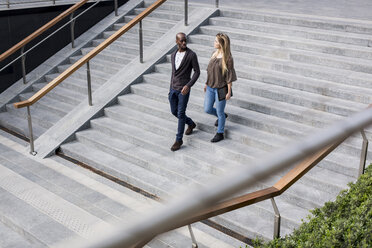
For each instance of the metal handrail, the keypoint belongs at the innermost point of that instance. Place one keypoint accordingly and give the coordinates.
(206, 202)
(85, 60)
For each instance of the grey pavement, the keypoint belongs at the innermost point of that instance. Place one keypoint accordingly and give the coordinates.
(355, 9)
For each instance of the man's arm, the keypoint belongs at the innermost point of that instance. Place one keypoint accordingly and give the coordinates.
(195, 66)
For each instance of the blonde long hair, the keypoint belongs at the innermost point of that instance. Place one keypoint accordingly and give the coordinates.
(224, 42)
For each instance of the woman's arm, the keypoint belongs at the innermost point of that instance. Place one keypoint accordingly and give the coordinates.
(228, 95)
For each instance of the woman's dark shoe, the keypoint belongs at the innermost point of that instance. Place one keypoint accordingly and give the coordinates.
(177, 145)
(216, 123)
(190, 128)
(217, 137)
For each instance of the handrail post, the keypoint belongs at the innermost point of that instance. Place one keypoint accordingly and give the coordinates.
(23, 61)
(72, 27)
(8, 3)
(89, 85)
(54, 2)
(186, 12)
(363, 154)
(116, 7)
(277, 219)
(140, 41)
(32, 149)
(194, 244)
(217, 4)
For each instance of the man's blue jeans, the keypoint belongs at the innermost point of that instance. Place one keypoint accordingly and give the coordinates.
(178, 105)
(211, 97)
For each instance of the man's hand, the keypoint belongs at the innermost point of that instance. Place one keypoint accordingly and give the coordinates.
(185, 90)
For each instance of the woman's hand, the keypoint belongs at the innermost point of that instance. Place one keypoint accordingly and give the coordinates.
(228, 96)
(205, 87)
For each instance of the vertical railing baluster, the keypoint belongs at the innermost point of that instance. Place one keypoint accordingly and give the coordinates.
(54, 2)
(277, 219)
(32, 148)
(186, 12)
(72, 27)
(363, 154)
(89, 85)
(8, 3)
(217, 3)
(23, 61)
(194, 244)
(116, 7)
(140, 41)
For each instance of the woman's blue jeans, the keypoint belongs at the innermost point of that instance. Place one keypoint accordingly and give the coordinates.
(211, 98)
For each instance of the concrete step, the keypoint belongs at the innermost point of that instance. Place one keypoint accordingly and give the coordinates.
(344, 78)
(171, 6)
(94, 194)
(296, 31)
(10, 238)
(81, 73)
(338, 162)
(349, 26)
(171, 16)
(130, 173)
(244, 99)
(141, 120)
(148, 32)
(147, 159)
(276, 52)
(40, 117)
(49, 104)
(337, 100)
(205, 235)
(130, 38)
(77, 84)
(242, 116)
(19, 125)
(116, 135)
(290, 42)
(101, 65)
(45, 211)
(61, 94)
(120, 46)
(256, 50)
(157, 143)
(153, 22)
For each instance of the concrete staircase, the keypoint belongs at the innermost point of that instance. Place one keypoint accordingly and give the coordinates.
(45, 203)
(296, 75)
(72, 91)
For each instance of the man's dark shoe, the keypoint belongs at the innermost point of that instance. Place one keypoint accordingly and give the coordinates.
(177, 145)
(190, 128)
(216, 123)
(217, 137)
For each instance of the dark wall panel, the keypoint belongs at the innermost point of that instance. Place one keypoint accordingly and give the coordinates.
(15, 25)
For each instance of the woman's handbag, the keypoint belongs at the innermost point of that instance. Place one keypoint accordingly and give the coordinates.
(222, 92)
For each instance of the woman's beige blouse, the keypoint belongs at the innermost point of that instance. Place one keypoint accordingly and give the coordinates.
(215, 79)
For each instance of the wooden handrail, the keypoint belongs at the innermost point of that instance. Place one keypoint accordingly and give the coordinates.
(277, 189)
(41, 30)
(51, 85)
